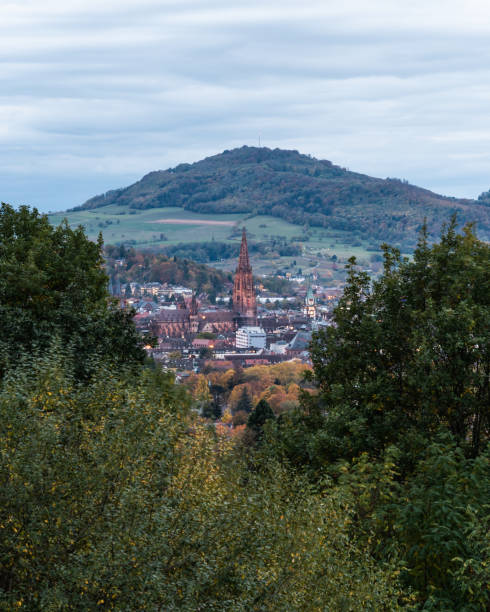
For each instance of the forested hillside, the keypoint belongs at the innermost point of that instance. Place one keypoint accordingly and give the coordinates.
(302, 190)
(146, 267)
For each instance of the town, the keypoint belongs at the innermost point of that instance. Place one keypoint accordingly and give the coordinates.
(250, 326)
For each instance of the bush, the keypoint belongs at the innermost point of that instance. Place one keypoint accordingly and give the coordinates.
(108, 499)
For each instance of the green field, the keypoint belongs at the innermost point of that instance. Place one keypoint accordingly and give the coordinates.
(159, 227)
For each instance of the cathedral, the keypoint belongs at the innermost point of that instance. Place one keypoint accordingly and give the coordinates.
(187, 319)
(244, 304)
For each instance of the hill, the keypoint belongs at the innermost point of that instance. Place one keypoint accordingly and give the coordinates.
(155, 267)
(300, 189)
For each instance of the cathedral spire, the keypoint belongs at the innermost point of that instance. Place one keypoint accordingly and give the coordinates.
(243, 260)
(194, 306)
(244, 302)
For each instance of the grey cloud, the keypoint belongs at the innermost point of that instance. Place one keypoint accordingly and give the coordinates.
(95, 94)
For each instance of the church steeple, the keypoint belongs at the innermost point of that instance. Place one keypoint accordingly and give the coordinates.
(193, 308)
(243, 289)
(309, 308)
(243, 260)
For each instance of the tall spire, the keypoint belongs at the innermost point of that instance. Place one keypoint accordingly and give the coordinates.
(244, 302)
(243, 260)
(193, 308)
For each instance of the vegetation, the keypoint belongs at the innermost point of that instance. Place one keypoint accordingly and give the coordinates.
(278, 285)
(270, 238)
(278, 384)
(371, 494)
(52, 284)
(144, 267)
(300, 189)
(107, 501)
(402, 417)
(216, 251)
(244, 403)
(410, 355)
(259, 417)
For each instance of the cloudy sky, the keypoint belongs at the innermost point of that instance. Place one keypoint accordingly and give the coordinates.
(96, 93)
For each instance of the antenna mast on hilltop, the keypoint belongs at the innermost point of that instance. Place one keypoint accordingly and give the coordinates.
(259, 141)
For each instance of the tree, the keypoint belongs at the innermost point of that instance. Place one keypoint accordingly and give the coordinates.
(80, 465)
(202, 395)
(109, 499)
(240, 418)
(408, 354)
(244, 403)
(206, 353)
(442, 528)
(401, 418)
(258, 417)
(52, 284)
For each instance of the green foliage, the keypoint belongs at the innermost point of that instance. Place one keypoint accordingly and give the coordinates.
(52, 285)
(204, 251)
(433, 524)
(280, 286)
(259, 416)
(206, 335)
(108, 499)
(400, 424)
(146, 267)
(81, 470)
(216, 251)
(442, 526)
(244, 403)
(409, 354)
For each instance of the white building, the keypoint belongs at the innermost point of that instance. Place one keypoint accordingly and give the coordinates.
(250, 337)
(279, 347)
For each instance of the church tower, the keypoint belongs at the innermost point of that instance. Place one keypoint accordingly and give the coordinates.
(309, 308)
(243, 290)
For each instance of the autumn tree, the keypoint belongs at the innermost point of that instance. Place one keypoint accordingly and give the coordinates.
(108, 500)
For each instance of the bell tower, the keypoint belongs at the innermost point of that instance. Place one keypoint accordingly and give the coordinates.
(309, 307)
(244, 303)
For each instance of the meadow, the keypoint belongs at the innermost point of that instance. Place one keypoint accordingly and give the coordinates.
(156, 228)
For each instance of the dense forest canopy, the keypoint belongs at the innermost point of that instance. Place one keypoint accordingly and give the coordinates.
(301, 190)
(216, 251)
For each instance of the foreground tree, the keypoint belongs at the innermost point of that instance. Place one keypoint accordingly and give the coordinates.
(108, 500)
(401, 420)
(409, 354)
(52, 284)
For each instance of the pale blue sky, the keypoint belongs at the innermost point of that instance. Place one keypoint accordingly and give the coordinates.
(95, 94)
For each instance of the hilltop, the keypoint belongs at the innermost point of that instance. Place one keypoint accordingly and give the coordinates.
(300, 189)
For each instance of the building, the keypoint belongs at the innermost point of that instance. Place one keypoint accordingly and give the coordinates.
(280, 347)
(244, 303)
(309, 308)
(299, 345)
(187, 319)
(250, 337)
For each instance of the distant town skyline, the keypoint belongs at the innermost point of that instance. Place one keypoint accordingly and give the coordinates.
(97, 94)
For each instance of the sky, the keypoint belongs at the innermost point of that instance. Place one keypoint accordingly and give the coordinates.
(96, 93)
